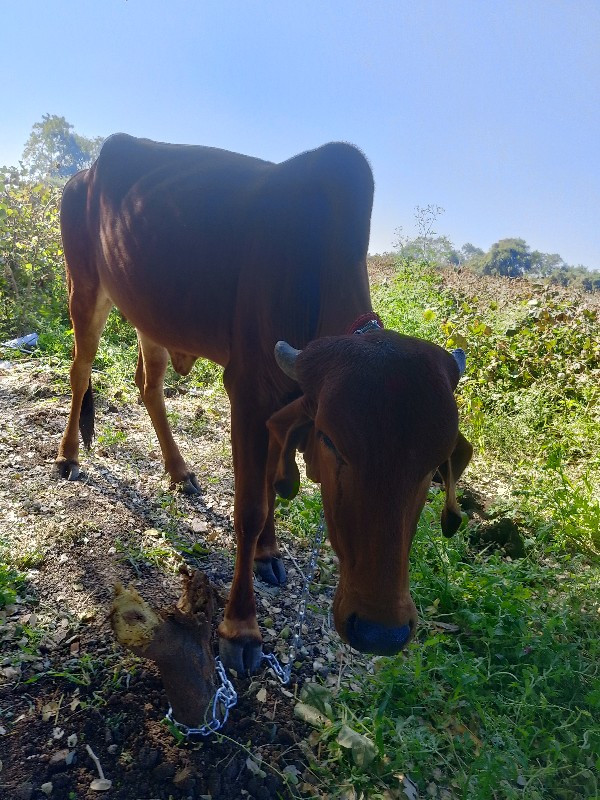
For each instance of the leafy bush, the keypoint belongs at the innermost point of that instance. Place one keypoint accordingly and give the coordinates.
(10, 580)
(32, 286)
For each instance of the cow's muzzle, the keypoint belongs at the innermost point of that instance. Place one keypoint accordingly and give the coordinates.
(377, 639)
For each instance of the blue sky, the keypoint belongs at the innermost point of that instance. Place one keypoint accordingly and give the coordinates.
(489, 109)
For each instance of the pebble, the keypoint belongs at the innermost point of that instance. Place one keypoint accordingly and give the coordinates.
(60, 761)
(24, 791)
(214, 784)
(164, 771)
(184, 779)
(148, 758)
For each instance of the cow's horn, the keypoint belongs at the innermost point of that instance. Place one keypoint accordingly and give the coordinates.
(286, 356)
(461, 359)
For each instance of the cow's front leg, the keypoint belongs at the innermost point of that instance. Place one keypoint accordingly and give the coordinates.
(240, 641)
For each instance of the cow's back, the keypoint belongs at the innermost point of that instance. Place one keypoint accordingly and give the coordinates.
(195, 243)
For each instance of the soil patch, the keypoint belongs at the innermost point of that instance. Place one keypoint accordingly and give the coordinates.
(64, 682)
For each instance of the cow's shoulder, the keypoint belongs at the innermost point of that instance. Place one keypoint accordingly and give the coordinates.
(335, 161)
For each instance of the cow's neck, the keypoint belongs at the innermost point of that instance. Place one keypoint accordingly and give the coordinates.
(345, 298)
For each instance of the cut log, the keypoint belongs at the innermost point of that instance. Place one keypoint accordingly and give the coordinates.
(177, 639)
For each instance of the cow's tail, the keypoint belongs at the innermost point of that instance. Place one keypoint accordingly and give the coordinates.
(86, 417)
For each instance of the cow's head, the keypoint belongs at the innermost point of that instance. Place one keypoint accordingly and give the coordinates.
(376, 419)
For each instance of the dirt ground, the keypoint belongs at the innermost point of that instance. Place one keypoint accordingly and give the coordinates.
(72, 685)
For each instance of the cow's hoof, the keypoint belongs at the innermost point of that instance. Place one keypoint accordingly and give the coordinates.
(271, 570)
(451, 522)
(243, 657)
(189, 485)
(66, 469)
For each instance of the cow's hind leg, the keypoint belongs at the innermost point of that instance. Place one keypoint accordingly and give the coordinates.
(149, 377)
(268, 564)
(89, 308)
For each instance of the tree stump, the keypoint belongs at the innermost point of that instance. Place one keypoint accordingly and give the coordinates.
(177, 639)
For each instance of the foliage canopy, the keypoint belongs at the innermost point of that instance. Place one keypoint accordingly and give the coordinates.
(54, 151)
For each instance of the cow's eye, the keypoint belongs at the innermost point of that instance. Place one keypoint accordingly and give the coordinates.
(327, 441)
(330, 446)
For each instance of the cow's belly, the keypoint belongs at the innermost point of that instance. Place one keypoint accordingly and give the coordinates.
(178, 291)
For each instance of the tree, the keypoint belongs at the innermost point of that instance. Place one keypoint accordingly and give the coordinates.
(54, 151)
(435, 250)
(545, 264)
(427, 245)
(32, 287)
(468, 251)
(510, 258)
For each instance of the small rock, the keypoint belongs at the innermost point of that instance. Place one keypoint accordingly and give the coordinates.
(184, 779)
(58, 762)
(164, 771)
(24, 791)
(214, 784)
(47, 788)
(148, 758)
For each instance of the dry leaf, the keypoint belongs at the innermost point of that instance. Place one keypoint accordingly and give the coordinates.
(49, 710)
(363, 749)
(310, 714)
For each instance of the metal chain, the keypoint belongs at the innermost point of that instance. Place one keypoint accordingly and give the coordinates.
(284, 673)
(226, 697)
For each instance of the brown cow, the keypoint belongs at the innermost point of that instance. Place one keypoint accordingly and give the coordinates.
(214, 254)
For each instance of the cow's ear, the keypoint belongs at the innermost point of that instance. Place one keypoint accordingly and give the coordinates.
(450, 472)
(289, 429)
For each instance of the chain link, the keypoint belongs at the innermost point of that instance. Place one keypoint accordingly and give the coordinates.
(224, 700)
(225, 696)
(284, 673)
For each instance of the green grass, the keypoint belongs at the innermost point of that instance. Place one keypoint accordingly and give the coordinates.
(10, 582)
(505, 706)
(506, 702)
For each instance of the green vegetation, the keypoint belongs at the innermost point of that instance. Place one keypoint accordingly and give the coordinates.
(32, 286)
(10, 581)
(507, 258)
(530, 399)
(499, 696)
(54, 151)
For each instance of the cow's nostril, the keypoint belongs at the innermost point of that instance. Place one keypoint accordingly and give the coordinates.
(372, 637)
